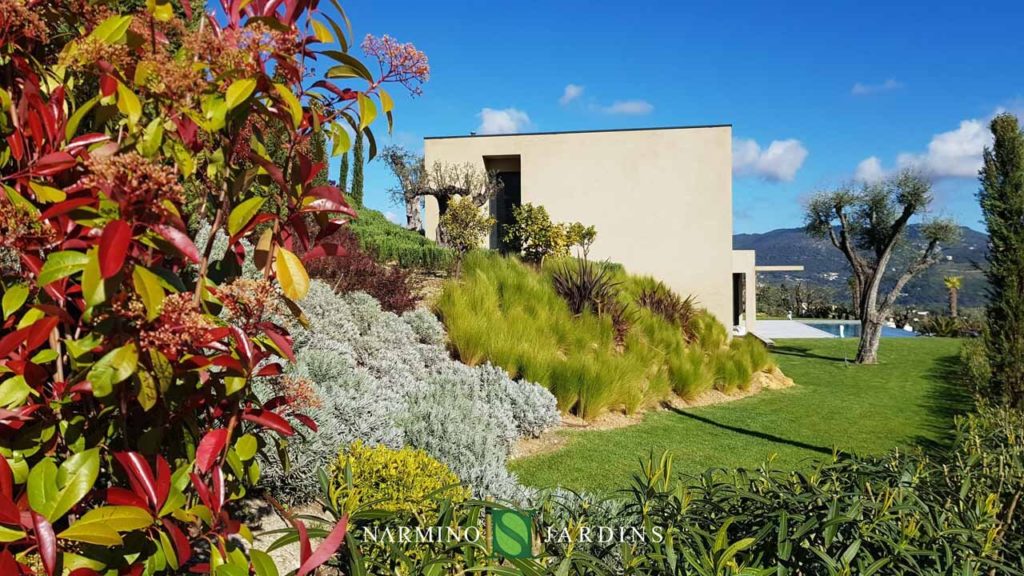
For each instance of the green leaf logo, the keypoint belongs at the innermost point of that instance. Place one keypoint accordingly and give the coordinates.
(511, 534)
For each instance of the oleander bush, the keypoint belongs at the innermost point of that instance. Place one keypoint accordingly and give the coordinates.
(954, 512)
(391, 243)
(393, 480)
(558, 326)
(388, 380)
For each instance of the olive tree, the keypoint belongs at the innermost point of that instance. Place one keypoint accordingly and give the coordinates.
(867, 223)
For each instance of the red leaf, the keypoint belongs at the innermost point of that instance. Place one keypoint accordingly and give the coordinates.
(39, 332)
(272, 369)
(47, 542)
(9, 513)
(210, 448)
(122, 497)
(8, 565)
(179, 240)
(201, 490)
(306, 421)
(163, 480)
(326, 549)
(218, 490)
(281, 341)
(140, 475)
(181, 545)
(108, 84)
(53, 163)
(66, 206)
(244, 346)
(88, 139)
(305, 550)
(6, 478)
(114, 247)
(83, 572)
(324, 250)
(269, 420)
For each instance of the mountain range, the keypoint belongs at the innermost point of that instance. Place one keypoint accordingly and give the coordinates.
(825, 266)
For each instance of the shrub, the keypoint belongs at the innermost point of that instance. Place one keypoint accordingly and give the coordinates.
(388, 380)
(130, 426)
(391, 243)
(585, 286)
(536, 237)
(690, 373)
(382, 478)
(464, 225)
(356, 270)
(975, 372)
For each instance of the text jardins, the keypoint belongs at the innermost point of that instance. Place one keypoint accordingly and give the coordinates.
(447, 534)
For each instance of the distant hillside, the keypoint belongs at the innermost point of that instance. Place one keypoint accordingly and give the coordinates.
(825, 266)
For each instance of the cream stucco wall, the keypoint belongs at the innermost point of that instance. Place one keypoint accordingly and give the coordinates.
(661, 199)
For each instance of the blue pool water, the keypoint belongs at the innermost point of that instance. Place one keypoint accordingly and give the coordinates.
(851, 329)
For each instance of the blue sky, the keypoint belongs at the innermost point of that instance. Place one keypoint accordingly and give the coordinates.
(814, 91)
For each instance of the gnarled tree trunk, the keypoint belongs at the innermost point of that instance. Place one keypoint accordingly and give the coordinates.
(870, 338)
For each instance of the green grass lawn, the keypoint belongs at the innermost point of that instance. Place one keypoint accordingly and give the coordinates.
(910, 397)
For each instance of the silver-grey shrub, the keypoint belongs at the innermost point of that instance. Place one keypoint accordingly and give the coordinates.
(386, 379)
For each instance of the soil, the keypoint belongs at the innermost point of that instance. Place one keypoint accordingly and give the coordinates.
(286, 557)
(555, 439)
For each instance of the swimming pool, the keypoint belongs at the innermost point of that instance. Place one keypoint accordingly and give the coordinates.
(851, 329)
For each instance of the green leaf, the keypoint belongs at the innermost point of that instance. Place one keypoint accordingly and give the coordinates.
(61, 265)
(103, 526)
(14, 298)
(349, 60)
(94, 287)
(294, 106)
(147, 391)
(323, 33)
(72, 126)
(42, 486)
(367, 111)
(341, 141)
(112, 30)
(76, 477)
(47, 194)
(291, 274)
(152, 138)
(239, 91)
(9, 535)
(116, 366)
(246, 447)
(147, 286)
(263, 563)
(129, 105)
(244, 213)
(387, 105)
(14, 391)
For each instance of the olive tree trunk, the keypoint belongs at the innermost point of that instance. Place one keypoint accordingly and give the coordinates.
(870, 338)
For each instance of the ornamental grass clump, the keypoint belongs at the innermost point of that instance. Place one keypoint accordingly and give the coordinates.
(558, 326)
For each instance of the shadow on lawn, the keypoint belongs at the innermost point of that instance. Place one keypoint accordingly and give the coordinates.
(945, 400)
(804, 352)
(753, 433)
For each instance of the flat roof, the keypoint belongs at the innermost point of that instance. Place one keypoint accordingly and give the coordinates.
(581, 131)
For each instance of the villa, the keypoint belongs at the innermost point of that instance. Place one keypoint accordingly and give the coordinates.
(661, 199)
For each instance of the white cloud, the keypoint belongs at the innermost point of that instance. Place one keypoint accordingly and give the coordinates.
(869, 170)
(507, 121)
(391, 216)
(779, 162)
(572, 92)
(953, 154)
(861, 89)
(629, 108)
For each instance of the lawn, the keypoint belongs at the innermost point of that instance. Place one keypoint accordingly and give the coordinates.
(909, 398)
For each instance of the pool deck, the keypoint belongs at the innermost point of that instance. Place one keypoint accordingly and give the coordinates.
(769, 330)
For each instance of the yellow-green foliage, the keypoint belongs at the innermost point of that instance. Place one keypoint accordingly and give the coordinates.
(382, 478)
(508, 313)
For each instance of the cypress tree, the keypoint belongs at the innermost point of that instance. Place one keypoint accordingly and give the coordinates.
(343, 175)
(1002, 202)
(357, 171)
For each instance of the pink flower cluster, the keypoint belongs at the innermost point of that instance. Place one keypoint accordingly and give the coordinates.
(399, 62)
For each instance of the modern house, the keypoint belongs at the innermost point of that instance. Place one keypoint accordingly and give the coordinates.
(661, 200)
